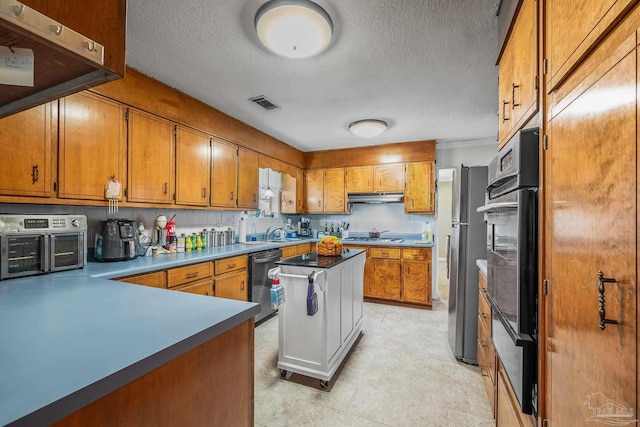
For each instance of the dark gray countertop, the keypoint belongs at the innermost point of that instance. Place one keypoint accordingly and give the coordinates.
(316, 261)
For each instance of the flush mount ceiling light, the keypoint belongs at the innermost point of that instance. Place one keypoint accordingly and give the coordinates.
(367, 128)
(293, 28)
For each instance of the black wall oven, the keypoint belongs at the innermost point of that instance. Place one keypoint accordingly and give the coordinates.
(511, 212)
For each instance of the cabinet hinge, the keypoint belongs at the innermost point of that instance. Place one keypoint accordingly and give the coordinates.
(536, 82)
(545, 423)
(545, 287)
(544, 66)
(126, 192)
(55, 185)
(175, 130)
(545, 142)
(126, 116)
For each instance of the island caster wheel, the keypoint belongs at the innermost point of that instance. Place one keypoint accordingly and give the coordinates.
(285, 374)
(324, 384)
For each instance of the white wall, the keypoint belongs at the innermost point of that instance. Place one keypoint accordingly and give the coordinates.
(469, 153)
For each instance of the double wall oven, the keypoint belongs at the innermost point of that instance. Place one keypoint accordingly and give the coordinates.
(37, 244)
(511, 212)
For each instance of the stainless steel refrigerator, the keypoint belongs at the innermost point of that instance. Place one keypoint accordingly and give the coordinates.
(468, 243)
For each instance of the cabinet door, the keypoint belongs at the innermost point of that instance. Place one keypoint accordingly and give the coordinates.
(524, 93)
(151, 158)
(314, 185)
(91, 127)
(384, 281)
(299, 190)
(505, 109)
(416, 282)
(203, 287)
(248, 179)
(334, 195)
(232, 285)
(388, 177)
(570, 35)
(419, 195)
(288, 195)
(359, 179)
(25, 147)
(224, 175)
(192, 167)
(506, 408)
(592, 141)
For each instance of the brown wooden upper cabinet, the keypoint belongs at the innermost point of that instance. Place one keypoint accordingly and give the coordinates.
(288, 196)
(568, 48)
(420, 193)
(224, 174)
(300, 201)
(518, 74)
(92, 146)
(25, 150)
(192, 167)
(248, 179)
(377, 178)
(151, 158)
(325, 190)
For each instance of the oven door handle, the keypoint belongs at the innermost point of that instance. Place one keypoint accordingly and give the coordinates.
(495, 207)
(502, 181)
(519, 340)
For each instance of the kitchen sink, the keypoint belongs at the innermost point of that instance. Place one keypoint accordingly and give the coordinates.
(287, 239)
(390, 240)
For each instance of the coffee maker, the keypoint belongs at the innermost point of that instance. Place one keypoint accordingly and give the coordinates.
(305, 227)
(119, 240)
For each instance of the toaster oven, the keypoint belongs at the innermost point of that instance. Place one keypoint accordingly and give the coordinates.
(38, 244)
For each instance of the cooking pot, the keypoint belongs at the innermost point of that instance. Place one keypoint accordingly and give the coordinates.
(375, 234)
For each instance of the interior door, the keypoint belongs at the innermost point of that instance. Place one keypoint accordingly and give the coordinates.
(591, 206)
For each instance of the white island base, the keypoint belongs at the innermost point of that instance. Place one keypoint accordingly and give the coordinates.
(315, 346)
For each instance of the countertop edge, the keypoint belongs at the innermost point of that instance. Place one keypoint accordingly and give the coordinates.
(66, 405)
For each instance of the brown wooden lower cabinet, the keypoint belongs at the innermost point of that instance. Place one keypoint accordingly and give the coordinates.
(157, 279)
(232, 285)
(211, 385)
(200, 287)
(398, 275)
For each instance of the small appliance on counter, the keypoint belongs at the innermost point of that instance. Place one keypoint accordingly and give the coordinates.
(37, 244)
(305, 227)
(119, 240)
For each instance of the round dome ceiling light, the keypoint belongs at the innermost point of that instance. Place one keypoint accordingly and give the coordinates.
(367, 128)
(293, 28)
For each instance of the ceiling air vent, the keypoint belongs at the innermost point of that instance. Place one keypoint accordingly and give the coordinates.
(263, 102)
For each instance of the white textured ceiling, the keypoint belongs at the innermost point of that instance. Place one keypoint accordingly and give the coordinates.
(426, 67)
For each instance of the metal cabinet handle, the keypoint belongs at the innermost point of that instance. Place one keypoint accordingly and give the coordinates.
(204, 192)
(56, 29)
(513, 95)
(242, 287)
(231, 198)
(483, 315)
(601, 281)
(232, 265)
(166, 188)
(35, 173)
(192, 275)
(504, 112)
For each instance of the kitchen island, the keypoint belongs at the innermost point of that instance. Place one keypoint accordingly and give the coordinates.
(79, 351)
(315, 342)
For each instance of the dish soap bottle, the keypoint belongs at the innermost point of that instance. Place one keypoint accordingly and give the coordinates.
(427, 234)
(277, 293)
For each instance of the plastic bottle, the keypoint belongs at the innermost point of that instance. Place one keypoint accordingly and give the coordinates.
(198, 243)
(187, 244)
(181, 243)
(242, 231)
(203, 237)
(277, 293)
(98, 254)
(427, 234)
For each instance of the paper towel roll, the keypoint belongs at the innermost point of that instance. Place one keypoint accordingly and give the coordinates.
(242, 231)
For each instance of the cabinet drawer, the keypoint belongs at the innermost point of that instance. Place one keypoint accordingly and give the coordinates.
(416, 254)
(181, 275)
(482, 282)
(200, 287)
(230, 264)
(289, 252)
(484, 312)
(157, 279)
(389, 253)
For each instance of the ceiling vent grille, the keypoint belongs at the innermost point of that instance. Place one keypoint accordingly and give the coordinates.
(264, 102)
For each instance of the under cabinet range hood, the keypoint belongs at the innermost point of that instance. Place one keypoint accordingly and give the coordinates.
(63, 61)
(376, 198)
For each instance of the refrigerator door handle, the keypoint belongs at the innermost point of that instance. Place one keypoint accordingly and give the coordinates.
(448, 249)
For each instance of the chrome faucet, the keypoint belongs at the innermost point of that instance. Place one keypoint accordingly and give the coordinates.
(270, 232)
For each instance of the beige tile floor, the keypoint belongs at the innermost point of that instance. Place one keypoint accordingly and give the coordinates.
(401, 373)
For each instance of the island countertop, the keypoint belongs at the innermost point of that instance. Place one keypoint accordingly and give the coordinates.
(67, 340)
(314, 260)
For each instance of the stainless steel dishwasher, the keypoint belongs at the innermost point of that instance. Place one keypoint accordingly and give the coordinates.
(260, 291)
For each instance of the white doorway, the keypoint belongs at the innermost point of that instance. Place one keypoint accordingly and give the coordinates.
(443, 213)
